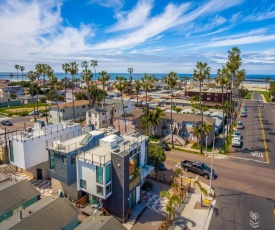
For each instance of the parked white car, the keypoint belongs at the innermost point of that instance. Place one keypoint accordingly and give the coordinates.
(236, 142)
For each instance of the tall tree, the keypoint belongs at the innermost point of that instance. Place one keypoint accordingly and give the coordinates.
(104, 78)
(154, 117)
(200, 74)
(156, 155)
(87, 76)
(137, 88)
(65, 68)
(22, 68)
(233, 64)
(32, 77)
(267, 78)
(119, 85)
(40, 68)
(94, 64)
(223, 82)
(147, 84)
(84, 65)
(171, 81)
(73, 70)
(130, 71)
(17, 67)
(11, 76)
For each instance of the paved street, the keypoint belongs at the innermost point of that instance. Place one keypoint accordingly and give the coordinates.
(245, 182)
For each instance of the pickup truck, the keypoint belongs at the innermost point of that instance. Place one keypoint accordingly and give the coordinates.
(198, 167)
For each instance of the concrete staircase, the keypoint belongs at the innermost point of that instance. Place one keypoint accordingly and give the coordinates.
(177, 139)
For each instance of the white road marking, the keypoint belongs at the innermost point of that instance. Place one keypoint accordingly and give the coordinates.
(257, 154)
(247, 159)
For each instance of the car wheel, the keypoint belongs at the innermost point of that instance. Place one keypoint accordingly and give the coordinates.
(206, 176)
(186, 169)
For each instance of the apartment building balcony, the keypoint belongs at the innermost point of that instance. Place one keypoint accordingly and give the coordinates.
(134, 182)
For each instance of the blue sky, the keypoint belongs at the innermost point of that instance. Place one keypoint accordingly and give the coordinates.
(152, 36)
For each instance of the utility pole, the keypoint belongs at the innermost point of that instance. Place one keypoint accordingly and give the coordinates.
(6, 146)
(211, 174)
(206, 137)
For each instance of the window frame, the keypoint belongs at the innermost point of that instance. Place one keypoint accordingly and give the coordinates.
(81, 185)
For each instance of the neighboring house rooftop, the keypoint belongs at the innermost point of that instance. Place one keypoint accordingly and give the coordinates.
(70, 104)
(131, 115)
(217, 114)
(49, 214)
(178, 117)
(14, 194)
(101, 223)
(25, 97)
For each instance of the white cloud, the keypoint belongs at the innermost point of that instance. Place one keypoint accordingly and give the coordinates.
(235, 17)
(134, 18)
(109, 3)
(156, 25)
(263, 15)
(240, 41)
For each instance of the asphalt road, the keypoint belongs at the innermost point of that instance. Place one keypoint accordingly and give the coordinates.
(246, 179)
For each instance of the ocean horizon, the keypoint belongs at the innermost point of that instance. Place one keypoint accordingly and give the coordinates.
(138, 76)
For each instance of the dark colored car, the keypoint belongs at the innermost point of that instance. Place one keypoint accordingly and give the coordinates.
(164, 146)
(7, 123)
(162, 167)
(198, 167)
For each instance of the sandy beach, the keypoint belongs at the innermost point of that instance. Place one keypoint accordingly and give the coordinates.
(255, 86)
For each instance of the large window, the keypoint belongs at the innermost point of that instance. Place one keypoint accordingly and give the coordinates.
(83, 184)
(52, 162)
(11, 151)
(99, 190)
(108, 173)
(73, 159)
(99, 175)
(108, 188)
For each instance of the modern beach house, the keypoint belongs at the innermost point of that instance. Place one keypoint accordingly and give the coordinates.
(62, 157)
(27, 150)
(112, 173)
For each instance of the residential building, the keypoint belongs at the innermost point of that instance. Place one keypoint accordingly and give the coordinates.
(62, 157)
(180, 103)
(27, 150)
(113, 109)
(16, 196)
(183, 126)
(209, 94)
(64, 112)
(47, 214)
(17, 90)
(132, 121)
(101, 223)
(28, 99)
(218, 116)
(4, 83)
(4, 96)
(109, 173)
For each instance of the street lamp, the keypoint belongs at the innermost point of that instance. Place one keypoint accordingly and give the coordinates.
(212, 162)
(206, 137)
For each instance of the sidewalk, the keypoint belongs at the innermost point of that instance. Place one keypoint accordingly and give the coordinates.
(190, 215)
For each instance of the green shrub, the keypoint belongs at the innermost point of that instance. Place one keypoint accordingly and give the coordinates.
(23, 113)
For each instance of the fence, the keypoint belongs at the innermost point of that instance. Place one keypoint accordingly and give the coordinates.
(164, 177)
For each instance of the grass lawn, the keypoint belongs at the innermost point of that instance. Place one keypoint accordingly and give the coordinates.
(188, 151)
(154, 138)
(248, 96)
(21, 109)
(266, 94)
(196, 146)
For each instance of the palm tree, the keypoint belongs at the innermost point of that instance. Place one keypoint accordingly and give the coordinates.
(11, 76)
(40, 68)
(84, 65)
(94, 64)
(147, 84)
(171, 81)
(22, 68)
(32, 77)
(154, 117)
(17, 67)
(65, 67)
(130, 70)
(200, 73)
(87, 76)
(267, 78)
(203, 190)
(233, 64)
(137, 88)
(104, 78)
(73, 70)
(119, 85)
(173, 201)
(217, 79)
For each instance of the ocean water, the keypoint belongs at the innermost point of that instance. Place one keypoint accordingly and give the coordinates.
(137, 76)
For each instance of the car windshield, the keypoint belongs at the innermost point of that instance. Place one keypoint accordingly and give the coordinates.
(240, 123)
(204, 166)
